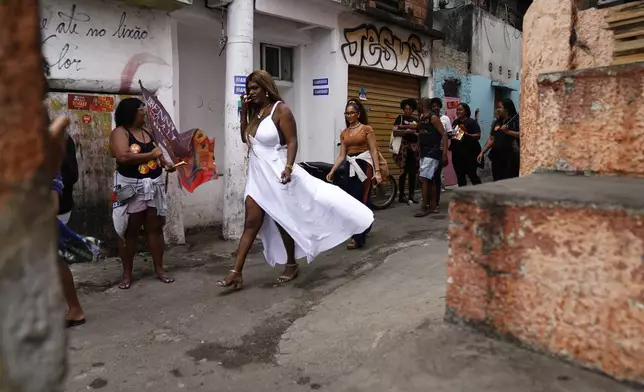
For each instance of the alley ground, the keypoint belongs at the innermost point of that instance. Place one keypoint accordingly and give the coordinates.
(367, 320)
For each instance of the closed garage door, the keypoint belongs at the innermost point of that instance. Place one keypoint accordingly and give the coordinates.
(384, 92)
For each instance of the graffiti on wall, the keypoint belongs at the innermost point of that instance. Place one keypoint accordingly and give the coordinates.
(80, 41)
(366, 45)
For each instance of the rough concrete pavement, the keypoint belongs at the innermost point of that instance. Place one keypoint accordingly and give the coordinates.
(354, 321)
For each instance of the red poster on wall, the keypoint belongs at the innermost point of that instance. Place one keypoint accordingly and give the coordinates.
(78, 101)
(95, 103)
(450, 107)
(102, 103)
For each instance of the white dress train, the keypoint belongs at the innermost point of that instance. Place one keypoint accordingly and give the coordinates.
(318, 215)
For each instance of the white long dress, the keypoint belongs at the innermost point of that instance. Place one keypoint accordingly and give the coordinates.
(318, 215)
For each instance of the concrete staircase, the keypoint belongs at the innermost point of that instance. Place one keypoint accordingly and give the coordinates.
(555, 260)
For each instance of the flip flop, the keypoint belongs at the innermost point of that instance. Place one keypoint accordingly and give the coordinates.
(125, 285)
(422, 213)
(74, 323)
(165, 279)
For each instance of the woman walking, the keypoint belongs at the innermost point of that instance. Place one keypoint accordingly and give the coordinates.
(359, 155)
(433, 156)
(504, 142)
(295, 214)
(139, 199)
(407, 157)
(465, 146)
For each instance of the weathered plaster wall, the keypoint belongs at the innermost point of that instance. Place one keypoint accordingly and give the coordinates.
(547, 32)
(592, 121)
(201, 105)
(449, 63)
(105, 46)
(441, 75)
(496, 48)
(445, 56)
(526, 266)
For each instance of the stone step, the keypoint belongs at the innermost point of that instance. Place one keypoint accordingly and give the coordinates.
(555, 262)
(589, 120)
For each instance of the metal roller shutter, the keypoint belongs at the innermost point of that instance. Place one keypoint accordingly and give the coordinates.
(384, 92)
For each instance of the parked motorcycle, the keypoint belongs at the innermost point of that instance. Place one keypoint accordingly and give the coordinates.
(382, 195)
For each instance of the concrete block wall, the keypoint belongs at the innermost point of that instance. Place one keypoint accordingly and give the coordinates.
(591, 121)
(555, 263)
(553, 259)
(547, 30)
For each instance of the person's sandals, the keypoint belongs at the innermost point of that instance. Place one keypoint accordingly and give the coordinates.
(125, 284)
(165, 279)
(74, 323)
(234, 279)
(426, 211)
(286, 278)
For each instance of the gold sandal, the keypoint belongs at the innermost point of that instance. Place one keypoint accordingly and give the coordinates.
(234, 279)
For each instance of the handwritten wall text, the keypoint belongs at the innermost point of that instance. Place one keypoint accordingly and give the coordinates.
(63, 30)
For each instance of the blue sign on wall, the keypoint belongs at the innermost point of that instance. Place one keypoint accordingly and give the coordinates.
(321, 82)
(320, 91)
(240, 90)
(240, 80)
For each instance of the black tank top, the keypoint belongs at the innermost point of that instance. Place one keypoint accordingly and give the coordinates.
(150, 169)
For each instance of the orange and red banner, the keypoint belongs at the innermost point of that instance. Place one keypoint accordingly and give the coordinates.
(200, 166)
(193, 147)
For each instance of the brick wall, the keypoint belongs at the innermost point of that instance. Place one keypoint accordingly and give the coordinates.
(416, 10)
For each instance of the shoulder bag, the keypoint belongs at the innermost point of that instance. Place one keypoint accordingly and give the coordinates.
(124, 194)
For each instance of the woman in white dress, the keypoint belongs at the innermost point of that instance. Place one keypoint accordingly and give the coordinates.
(295, 214)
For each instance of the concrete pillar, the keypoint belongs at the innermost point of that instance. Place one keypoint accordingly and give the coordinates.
(32, 335)
(239, 62)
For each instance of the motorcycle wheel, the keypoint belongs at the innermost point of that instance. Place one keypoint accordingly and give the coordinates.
(383, 195)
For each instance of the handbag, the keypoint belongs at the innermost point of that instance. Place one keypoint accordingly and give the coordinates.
(383, 166)
(394, 143)
(124, 194)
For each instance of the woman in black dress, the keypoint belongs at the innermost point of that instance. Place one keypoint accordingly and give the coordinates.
(504, 142)
(465, 146)
(408, 157)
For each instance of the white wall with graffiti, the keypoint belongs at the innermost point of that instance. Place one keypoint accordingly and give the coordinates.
(105, 46)
(496, 48)
(387, 48)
